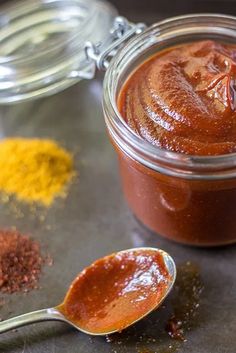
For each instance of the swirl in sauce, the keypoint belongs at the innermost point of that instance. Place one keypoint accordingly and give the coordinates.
(183, 99)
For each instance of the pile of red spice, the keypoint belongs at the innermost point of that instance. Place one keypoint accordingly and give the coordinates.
(20, 262)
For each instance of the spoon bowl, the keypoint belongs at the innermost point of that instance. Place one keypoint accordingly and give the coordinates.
(111, 294)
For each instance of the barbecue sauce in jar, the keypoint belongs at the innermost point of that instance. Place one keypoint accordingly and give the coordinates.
(183, 100)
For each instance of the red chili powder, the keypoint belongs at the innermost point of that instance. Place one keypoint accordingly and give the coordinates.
(20, 262)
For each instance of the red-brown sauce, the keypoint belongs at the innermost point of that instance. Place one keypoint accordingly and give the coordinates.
(183, 99)
(117, 290)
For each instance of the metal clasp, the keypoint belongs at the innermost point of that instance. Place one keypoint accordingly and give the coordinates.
(102, 53)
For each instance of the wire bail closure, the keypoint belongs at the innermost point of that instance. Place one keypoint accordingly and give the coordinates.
(102, 53)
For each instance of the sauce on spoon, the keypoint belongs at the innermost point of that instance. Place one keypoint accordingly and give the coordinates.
(116, 291)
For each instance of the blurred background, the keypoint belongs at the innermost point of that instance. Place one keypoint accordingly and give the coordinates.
(156, 9)
(174, 7)
(164, 8)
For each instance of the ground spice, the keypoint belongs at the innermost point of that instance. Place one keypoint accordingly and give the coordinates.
(34, 170)
(20, 262)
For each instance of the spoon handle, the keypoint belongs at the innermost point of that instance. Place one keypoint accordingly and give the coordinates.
(30, 318)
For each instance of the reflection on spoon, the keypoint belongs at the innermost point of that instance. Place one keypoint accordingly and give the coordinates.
(111, 294)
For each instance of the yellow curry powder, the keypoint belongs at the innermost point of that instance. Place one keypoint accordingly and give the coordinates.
(34, 170)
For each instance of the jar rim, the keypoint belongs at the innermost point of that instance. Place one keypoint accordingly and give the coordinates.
(192, 167)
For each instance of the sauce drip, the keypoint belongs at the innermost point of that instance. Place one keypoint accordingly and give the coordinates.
(116, 291)
(183, 99)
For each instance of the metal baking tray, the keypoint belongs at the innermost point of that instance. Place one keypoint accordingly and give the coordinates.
(94, 220)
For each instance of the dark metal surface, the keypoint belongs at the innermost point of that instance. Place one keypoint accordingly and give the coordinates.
(94, 220)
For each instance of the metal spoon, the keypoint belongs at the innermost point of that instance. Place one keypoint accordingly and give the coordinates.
(58, 313)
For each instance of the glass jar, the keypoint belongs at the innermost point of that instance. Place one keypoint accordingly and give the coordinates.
(188, 199)
(42, 45)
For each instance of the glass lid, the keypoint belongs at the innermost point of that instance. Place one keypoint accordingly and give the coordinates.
(42, 45)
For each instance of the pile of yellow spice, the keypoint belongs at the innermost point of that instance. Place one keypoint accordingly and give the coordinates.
(34, 170)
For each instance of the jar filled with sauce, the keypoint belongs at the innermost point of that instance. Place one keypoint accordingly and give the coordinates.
(168, 101)
(169, 104)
